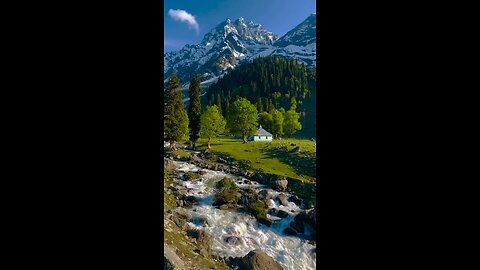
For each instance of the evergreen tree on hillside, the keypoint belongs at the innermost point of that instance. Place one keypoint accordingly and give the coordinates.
(242, 118)
(194, 110)
(266, 79)
(175, 116)
(293, 103)
(212, 124)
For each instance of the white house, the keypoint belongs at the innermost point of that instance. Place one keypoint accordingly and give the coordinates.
(261, 136)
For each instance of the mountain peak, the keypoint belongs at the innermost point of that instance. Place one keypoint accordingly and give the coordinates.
(232, 42)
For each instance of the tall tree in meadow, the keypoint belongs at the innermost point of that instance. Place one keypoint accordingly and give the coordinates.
(175, 116)
(212, 123)
(277, 123)
(194, 110)
(290, 123)
(242, 118)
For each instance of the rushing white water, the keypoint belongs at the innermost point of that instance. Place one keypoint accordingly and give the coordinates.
(241, 229)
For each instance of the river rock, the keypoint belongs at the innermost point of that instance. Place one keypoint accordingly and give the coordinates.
(289, 231)
(204, 240)
(282, 214)
(233, 240)
(258, 260)
(306, 205)
(299, 227)
(295, 200)
(282, 198)
(223, 207)
(190, 200)
(280, 185)
(168, 164)
(202, 221)
(301, 217)
(307, 216)
(272, 211)
(179, 203)
(265, 221)
(179, 217)
(264, 195)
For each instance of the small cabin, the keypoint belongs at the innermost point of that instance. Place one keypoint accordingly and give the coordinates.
(261, 136)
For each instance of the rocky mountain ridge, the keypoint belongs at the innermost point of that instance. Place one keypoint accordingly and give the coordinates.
(232, 42)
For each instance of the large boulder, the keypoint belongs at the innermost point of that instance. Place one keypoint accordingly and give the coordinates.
(233, 240)
(264, 195)
(282, 198)
(265, 221)
(308, 217)
(282, 214)
(258, 260)
(295, 200)
(168, 164)
(289, 231)
(180, 218)
(203, 239)
(299, 227)
(280, 185)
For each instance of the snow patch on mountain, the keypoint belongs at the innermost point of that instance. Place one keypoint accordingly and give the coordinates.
(232, 42)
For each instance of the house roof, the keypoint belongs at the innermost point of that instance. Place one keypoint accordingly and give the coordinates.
(262, 132)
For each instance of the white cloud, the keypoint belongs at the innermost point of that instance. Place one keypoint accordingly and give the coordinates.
(183, 16)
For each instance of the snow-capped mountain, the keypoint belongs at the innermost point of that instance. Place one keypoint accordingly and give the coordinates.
(299, 43)
(230, 43)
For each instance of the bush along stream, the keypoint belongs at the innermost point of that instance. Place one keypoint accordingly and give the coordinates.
(239, 221)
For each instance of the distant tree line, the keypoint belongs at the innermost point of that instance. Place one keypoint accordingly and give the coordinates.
(270, 83)
(237, 115)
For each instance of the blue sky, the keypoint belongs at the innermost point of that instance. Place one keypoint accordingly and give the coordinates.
(189, 20)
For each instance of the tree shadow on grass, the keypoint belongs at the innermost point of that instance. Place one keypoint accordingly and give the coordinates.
(301, 164)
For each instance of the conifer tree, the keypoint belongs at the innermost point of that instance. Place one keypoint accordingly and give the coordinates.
(175, 116)
(194, 110)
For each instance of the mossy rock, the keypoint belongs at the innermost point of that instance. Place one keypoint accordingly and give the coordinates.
(204, 241)
(228, 193)
(191, 176)
(258, 209)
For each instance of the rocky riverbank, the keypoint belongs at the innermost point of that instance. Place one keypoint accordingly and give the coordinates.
(225, 227)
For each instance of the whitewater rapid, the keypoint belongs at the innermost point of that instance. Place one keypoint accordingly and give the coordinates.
(291, 252)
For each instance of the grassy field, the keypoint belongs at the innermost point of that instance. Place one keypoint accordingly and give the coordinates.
(271, 157)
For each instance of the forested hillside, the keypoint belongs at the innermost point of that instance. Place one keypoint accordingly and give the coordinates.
(270, 83)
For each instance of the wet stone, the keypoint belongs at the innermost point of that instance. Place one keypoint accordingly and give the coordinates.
(282, 214)
(233, 240)
(299, 227)
(282, 198)
(289, 231)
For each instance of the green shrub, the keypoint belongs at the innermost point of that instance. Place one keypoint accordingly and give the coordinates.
(226, 183)
(228, 192)
(191, 176)
(258, 209)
